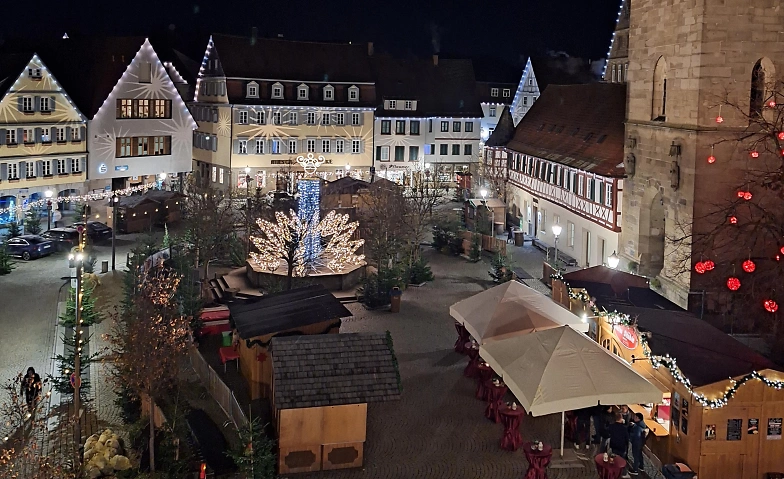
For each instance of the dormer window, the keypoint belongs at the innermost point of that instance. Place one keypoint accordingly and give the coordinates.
(253, 90)
(302, 92)
(507, 92)
(34, 73)
(393, 104)
(494, 92)
(329, 92)
(409, 105)
(353, 93)
(277, 90)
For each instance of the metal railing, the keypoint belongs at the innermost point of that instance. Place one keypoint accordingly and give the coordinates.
(218, 389)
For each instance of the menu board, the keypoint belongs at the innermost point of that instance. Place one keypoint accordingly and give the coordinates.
(774, 428)
(684, 425)
(734, 429)
(753, 426)
(676, 419)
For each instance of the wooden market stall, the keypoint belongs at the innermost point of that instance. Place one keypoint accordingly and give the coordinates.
(490, 208)
(301, 311)
(139, 212)
(322, 386)
(722, 428)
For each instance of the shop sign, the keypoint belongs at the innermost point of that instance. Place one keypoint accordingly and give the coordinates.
(626, 336)
(396, 167)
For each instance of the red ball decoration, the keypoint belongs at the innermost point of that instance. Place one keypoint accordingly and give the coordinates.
(734, 221)
(700, 267)
(771, 103)
(741, 193)
(733, 283)
(780, 135)
(719, 119)
(747, 195)
(771, 306)
(711, 160)
(782, 250)
(749, 266)
(709, 265)
(755, 154)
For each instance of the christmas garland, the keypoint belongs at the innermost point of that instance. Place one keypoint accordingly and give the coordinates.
(666, 361)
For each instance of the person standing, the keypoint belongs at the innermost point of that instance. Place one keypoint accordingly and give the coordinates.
(31, 387)
(601, 419)
(510, 236)
(638, 431)
(583, 433)
(619, 436)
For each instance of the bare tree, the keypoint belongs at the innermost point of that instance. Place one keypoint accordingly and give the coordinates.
(381, 219)
(420, 200)
(494, 175)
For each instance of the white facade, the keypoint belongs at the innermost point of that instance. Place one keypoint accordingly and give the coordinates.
(492, 110)
(143, 128)
(526, 94)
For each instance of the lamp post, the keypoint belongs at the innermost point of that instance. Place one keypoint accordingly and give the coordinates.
(247, 209)
(483, 192)
(115, 200)
(348, 169)
(77, 260)
(557, 232)
(613, 260)
(48, 194)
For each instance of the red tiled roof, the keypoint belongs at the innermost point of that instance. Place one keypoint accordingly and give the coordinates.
(581, 126)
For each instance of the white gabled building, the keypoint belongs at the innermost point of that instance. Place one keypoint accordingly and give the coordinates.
(526, 93)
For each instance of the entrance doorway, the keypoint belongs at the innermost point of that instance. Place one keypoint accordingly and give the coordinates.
(587, 248)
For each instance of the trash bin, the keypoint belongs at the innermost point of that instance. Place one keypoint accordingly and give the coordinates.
(104, 267)
(395, 296)
(226, 340)
(519, 238)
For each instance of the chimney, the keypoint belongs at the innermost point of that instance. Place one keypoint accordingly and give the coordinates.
(435, 59)
(254, 34)
(370, 49)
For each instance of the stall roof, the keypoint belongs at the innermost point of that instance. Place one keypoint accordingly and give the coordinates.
(490, 202)
(286, 310)
(333, 369)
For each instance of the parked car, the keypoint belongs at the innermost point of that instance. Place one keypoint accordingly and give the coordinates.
(29, 247)
(63, 238)
(97, 232)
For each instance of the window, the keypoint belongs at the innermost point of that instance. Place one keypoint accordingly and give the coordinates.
(492, 112)
(383, 153)
(340, 146)
(494, 92)
(142, 108)
(392, 105)
(386, 127)
(302, 92)
(625, 71)
(311, 118)
(46, 167)
(221, 176)
(413, 153)
(355, 119)
(444, 149)
(444, 126)
(409, 105)
(159, 145)
(507, 93)
(276, 147)
(145, 72)
(400, 127)
(469, 126)
(570, 234)
(242, 118)
(125, 146)
(541, 216)
(243, 147)
(530, 82)
(455, 149)
(126, 108)
(44, 104)
(75, 134)
(30, 169)
(27, 104)
(400, 153)
(608, 194)
(253, 90)
(429, 149)
(214, 174)
(13, 171)
(34, 73)
(277, 91)
(612, 77)
(292, 146)
(468, 149)
(580, 185)
(430, 126)
(259, 147)
(161, 108)
(325, 146)
(29, 135)
(261, 117)
(456, 126)
(46, 136)
(276, 118)
(311, 146)
(525, 101)
(293, 117)
(325, 118)
(356, 147)
(340, 118)
(413, 127)
(329, 92)
(761, 76)
(660, 90)
(76, 165)
(353, 93)
(60, 134)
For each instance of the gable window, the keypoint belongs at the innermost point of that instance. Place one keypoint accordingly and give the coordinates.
(259, 147)
(145, 72)
(386, 127)
(525, 101)
(409, 105)
(311, 118)
(400, 127)
(277, 91)
(292, 146)
(355, 119)
(356, 147)
(455, 126)
(161, 108)
(143, 109)
(392, 104)
(27, 104)
(276, 118)
(353, 93)
(34, 73)
(302, 92)
(444, 126)
(340, 146)
(325, 146)
(242, 118)
(469, 126)
(311, 146)
(494, 92)
(126, 108)
(253, 90)
(340, 119)
(413, 127)
(507, 92)
(329, 92)
(492, 112)
(530, 82)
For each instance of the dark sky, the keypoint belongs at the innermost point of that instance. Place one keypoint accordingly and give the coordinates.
(500, 28)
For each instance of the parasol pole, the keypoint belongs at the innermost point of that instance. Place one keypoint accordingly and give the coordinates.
(563, 422)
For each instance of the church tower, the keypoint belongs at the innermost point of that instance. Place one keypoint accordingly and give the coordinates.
(617, 67)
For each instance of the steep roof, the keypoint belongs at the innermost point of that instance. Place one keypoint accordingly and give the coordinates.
(272, 58)
(333, 369)
(576, 125)
(561, 70)
(504, 130)
(11, 66)
(447, 89)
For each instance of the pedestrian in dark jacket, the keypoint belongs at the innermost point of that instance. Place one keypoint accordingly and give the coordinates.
(31, 387)
(601, 419)
(583, 433)
(619, 436)
(638, 431)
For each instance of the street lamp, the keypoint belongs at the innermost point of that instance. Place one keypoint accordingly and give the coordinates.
(483, 193)
(613, 260)
(557, 232)
(48, 194)
(115, 200)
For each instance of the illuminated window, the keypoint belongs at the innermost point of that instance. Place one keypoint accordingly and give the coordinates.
(356, 147)
(494, 92)
(143, 109)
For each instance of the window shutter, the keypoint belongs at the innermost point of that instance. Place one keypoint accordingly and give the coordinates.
(214, 143)
(3, 171)
(119, 108)
(236, 116)
(82, 133)
(19, 102)
(52, 103)
(19, 135)
(38, 135)
(67, 165)
(236, 147)
(39, 168)
(378, 153)
(83, 164)
(22, 170)
(2, 136)
(67, 133)
(36, 103)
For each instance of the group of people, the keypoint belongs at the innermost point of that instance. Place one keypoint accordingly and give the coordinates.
(615, 428)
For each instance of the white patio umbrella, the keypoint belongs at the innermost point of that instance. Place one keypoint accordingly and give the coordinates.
(560, 369)
(511, 309)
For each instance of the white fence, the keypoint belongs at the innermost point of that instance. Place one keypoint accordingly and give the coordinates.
(218, 389)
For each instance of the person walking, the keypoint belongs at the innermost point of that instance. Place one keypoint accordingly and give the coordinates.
(638, 432)
(510, 236)
(31, 388)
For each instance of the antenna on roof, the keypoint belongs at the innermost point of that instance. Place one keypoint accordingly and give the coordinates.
(65, 36)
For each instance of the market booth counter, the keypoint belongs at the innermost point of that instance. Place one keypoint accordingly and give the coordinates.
(303, 311)
(321, 388)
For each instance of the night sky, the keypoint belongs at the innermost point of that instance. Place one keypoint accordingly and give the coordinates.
(507, 29)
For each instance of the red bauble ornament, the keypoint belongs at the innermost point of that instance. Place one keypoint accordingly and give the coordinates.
(734, 221)
(749, 266)
(700, 267)
(719, 119)
(771, 103)
(711, 159)
(747, 195)
(733, 283)
(780, 135)
(771, 306)
(709, 265)
(741, 193)
(755, 154)
(782, 250)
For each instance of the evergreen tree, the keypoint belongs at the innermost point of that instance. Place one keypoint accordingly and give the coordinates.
(255, 454)
(66, 366)
(6, 263)
(14, 230)
(475, 253)
(502, 269)
(166, 240)
(90, 315)
(33, 222)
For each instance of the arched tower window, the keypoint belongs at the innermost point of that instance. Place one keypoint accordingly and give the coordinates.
(761, 76)
(659, 110)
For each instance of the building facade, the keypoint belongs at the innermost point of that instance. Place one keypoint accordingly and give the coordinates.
(260, 110)
(526, 93)
(616, 68)
(43, 147)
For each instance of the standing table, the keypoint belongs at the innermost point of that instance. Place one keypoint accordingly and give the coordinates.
(473, 360)
(483, 374)
(511, 419)
(609, 470)
(462, 338)
(495, 398)
(537, 460)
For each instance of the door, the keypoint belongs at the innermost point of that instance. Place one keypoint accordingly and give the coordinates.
(535, 224)
(587, 248)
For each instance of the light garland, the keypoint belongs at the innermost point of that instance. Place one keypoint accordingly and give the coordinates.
(78, 199)
(308, 213)
(666, 361)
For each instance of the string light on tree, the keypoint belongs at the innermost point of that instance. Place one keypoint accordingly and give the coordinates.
(734, 220)
(733, 283)
(709, 265)
(749, 266)
(754, 154)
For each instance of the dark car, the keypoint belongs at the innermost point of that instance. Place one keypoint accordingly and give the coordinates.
(97, 232)
(63, 238)
(29, 246)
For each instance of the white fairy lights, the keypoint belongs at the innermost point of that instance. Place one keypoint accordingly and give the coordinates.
(78, 199)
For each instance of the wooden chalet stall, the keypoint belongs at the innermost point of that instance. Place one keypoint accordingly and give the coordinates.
(322, 386)
(136, 213)
(477, 207)
(303, 311)
(719, 437)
